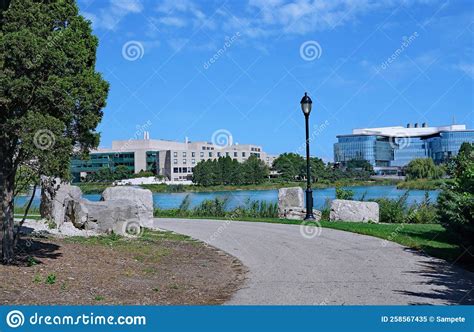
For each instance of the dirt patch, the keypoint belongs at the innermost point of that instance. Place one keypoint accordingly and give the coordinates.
(156, 268)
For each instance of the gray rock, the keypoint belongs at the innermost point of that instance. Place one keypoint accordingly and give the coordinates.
(295, 213)
(290, 198)
(356, 211)
(291, 204)
(56, 197)
(143, 198)
(104, 216)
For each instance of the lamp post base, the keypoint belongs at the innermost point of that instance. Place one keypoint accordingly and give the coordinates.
(309, 205)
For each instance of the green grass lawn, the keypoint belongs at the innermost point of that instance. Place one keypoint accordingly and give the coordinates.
(424, 184)
(431, 239)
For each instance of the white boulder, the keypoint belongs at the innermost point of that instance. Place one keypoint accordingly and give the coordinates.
(143, 199)
(55, 197)
(355, 211)
(291, 204)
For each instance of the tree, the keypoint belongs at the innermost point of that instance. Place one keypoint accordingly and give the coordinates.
(360, 164)
(254, 170)
(318, 169)
(291, 166)
(122, 172)
(51, 97)
(423, 168)
(456, 203)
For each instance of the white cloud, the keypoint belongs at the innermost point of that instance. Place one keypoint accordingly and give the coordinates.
(177, 12)
(172, 21)
(109, 17)
(303, 16)
(467, 68)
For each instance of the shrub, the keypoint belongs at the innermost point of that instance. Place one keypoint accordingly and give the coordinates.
(391, 210)
(325, 211)
(342, 193)
(51, 279)
(423, 213)
(213, 207)
(456, 203)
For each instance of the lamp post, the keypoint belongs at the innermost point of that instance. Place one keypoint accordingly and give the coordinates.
(306, 104)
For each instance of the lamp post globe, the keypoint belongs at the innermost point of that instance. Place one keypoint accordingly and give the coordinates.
(306, 106)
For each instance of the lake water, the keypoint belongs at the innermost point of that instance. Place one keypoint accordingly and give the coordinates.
(240, 197)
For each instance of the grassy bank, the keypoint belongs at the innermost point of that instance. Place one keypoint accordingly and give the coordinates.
(97, 188)
(424, 184)
(265, 186)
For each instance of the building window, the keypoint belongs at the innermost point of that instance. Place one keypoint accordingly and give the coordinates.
(184, 161)
(210, 154)
(243, 154)
(218, 154)
(175, 170)
(235, 154)
(201, 154)
(184, 154)
(175, 154)
(193, 161)
(175, 161)
(193, 154)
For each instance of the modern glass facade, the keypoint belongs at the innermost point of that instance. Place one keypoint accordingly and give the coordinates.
(375, 149)
(447, 144)
(392, 151)
(101, 160)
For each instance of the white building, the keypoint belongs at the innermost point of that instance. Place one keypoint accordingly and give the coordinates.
(171, 159)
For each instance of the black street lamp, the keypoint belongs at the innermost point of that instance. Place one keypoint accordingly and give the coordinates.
(306, 104)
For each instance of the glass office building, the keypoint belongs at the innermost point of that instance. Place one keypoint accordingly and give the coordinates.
(388, 149)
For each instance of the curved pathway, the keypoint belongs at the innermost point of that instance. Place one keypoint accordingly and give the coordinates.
(334, 267)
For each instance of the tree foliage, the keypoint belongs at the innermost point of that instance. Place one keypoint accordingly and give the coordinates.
(423, 168)
(292, 167)
(227, 171)
(51, 97)
(456, 203)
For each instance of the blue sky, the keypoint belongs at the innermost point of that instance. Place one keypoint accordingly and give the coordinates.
(190, 68)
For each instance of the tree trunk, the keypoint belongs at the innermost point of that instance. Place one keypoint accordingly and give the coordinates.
(16, 235)
(7, 184)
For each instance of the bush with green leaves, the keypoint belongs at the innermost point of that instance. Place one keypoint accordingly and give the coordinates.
(456, 202)
(342, 193)
(423, 168)
(399, 211)
(218, 208)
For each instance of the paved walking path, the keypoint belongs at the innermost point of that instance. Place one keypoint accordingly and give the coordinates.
(334, 267)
